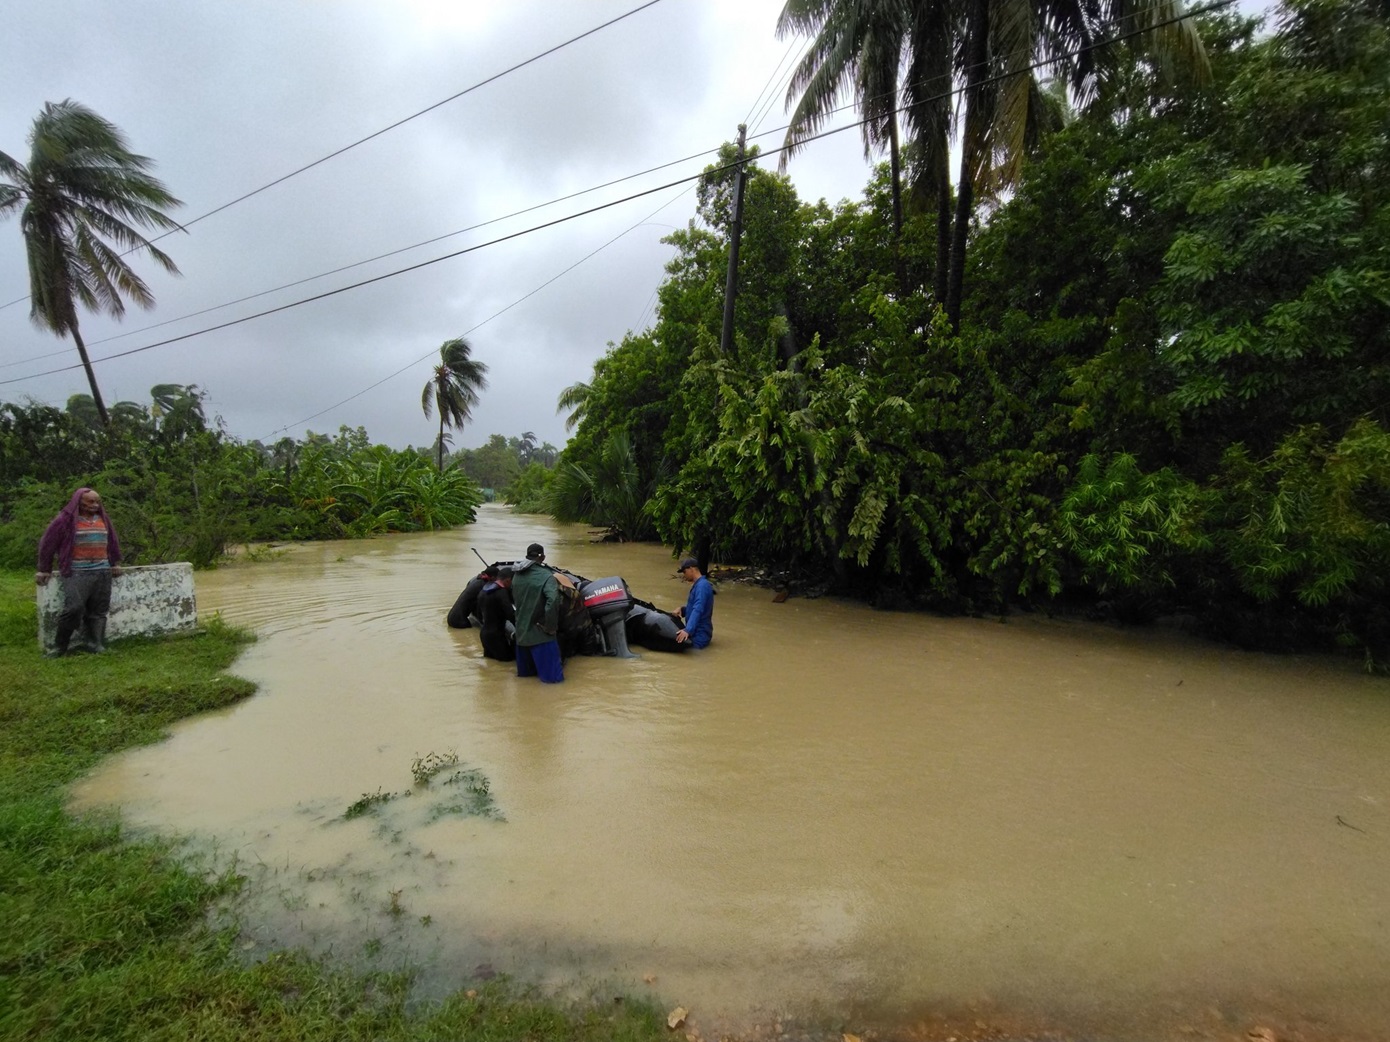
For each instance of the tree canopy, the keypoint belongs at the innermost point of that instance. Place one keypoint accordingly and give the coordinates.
(1168, 391)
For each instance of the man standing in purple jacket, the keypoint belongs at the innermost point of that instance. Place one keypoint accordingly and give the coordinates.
(84, 542)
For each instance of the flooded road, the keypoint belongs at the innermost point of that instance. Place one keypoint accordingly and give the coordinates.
(833, 815)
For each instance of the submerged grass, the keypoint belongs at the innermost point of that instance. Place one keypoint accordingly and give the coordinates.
(102, 937)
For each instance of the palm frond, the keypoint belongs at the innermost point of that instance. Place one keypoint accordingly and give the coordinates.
(1012, 34)
(1175, 47)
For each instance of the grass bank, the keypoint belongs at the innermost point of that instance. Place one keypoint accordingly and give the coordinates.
(102, 937)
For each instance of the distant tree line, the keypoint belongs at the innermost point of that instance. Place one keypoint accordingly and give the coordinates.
(180, 489)
(501, 462)
(1166, 389)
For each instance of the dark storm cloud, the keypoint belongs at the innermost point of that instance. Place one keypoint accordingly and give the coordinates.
(227, 97)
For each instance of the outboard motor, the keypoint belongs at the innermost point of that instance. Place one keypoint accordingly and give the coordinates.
(608, 601)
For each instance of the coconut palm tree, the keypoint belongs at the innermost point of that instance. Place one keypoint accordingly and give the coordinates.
(985, 48)
(443, 445)
(575, 398)
(83, 409)
(83, 193)
(854, 44)
(285, 454)
(453, 388)
(895, 55)
(132, 414)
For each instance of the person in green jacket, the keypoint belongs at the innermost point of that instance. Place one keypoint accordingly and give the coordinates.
(537, 596)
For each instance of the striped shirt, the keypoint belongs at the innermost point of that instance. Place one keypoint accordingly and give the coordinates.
(89, 544)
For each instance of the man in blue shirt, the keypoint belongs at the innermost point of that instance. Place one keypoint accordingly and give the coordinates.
(697, 617)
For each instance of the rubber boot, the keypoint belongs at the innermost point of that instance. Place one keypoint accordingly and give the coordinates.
(61, 639)
(96, 635)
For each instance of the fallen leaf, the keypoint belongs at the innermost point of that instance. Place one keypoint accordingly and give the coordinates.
(1261, 1035)
(649, 978)
(850, 1038)
(470, 993)
(779, 597)
(676, 1017)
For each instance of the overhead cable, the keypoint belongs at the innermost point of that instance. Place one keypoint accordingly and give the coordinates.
(1035, 65)
(386, 129)
(604, 206)
(496, 314)
(379, 256)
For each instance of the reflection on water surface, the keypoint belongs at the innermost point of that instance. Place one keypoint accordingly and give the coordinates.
(833, 813)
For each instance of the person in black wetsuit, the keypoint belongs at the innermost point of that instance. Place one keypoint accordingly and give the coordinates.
(498, 630)
(467, 603)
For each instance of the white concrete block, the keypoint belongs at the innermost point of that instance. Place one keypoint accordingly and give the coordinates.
(145, 601)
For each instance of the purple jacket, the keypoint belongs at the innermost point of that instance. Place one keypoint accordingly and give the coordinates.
(59, 536)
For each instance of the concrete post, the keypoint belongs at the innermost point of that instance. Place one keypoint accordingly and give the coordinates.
(145, 601)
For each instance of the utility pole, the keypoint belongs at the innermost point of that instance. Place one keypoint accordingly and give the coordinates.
(726, 339)
(703, 546)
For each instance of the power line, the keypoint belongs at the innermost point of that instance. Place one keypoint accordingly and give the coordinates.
(386, 129)
(651, 298)
(380, 256)
(496, 314)
(561, 220)
(368, 282)
(771, 96)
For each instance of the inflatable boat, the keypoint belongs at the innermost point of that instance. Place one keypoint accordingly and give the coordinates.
(597, 616)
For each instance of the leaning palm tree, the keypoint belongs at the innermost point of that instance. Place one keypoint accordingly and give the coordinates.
(453, 388)
(83, 193)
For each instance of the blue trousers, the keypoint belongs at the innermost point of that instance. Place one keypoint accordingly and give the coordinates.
(542, 660)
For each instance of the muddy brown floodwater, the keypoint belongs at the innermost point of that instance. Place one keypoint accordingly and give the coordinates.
(833, 817)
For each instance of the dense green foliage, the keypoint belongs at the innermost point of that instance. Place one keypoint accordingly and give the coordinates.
(501, 461)
(179, 489)
(105, 938)
(530, 492)
(1169, 391)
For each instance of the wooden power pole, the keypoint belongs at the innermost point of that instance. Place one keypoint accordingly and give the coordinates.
(726, 338)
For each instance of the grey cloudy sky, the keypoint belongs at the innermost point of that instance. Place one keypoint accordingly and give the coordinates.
(226, 97)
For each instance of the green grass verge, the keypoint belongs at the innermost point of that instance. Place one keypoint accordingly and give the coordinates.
(102, 937)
